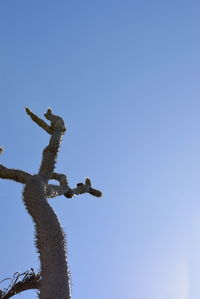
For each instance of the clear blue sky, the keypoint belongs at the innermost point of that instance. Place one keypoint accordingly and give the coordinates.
(125, 76)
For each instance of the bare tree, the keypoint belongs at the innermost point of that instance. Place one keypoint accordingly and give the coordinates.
(53, 280)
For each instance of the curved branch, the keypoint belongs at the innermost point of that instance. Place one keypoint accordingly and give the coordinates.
(54, 190)
(56, 121)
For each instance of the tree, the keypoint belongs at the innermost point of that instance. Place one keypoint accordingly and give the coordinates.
(53, 280)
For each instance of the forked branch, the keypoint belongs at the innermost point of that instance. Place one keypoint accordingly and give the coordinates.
(39, 121)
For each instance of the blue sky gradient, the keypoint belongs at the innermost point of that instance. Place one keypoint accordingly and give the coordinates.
(124, 75)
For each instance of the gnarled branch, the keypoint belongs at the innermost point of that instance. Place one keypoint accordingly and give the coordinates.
(64, 189)
(83, 188)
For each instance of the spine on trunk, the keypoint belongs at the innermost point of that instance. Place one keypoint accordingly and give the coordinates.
(50, 242)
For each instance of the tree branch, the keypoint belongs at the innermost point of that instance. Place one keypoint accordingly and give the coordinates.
(56, 121)
(56, 130)
(21, 176)
(20, 283)
(39, 121)
(64, 189)
(16, 175)
(83, 188)
(54, 190)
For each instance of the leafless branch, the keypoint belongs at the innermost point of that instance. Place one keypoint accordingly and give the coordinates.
(55, 190)
(16, 175)
(56, 129)
(21, 282)
(39, 121)
(56, 121)
(83, 188)
(64, 189)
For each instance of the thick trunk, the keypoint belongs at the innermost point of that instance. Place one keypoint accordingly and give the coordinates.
(50, 241)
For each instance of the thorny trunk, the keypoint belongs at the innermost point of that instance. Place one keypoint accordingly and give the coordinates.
(49, 235)
(50, 242)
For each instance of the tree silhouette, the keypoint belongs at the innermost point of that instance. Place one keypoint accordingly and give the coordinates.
(53, 281)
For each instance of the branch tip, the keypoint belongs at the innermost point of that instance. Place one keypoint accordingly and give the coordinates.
(48, 113)
(28, 111)
(39, 121)
(95, 192)
(88, 182)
